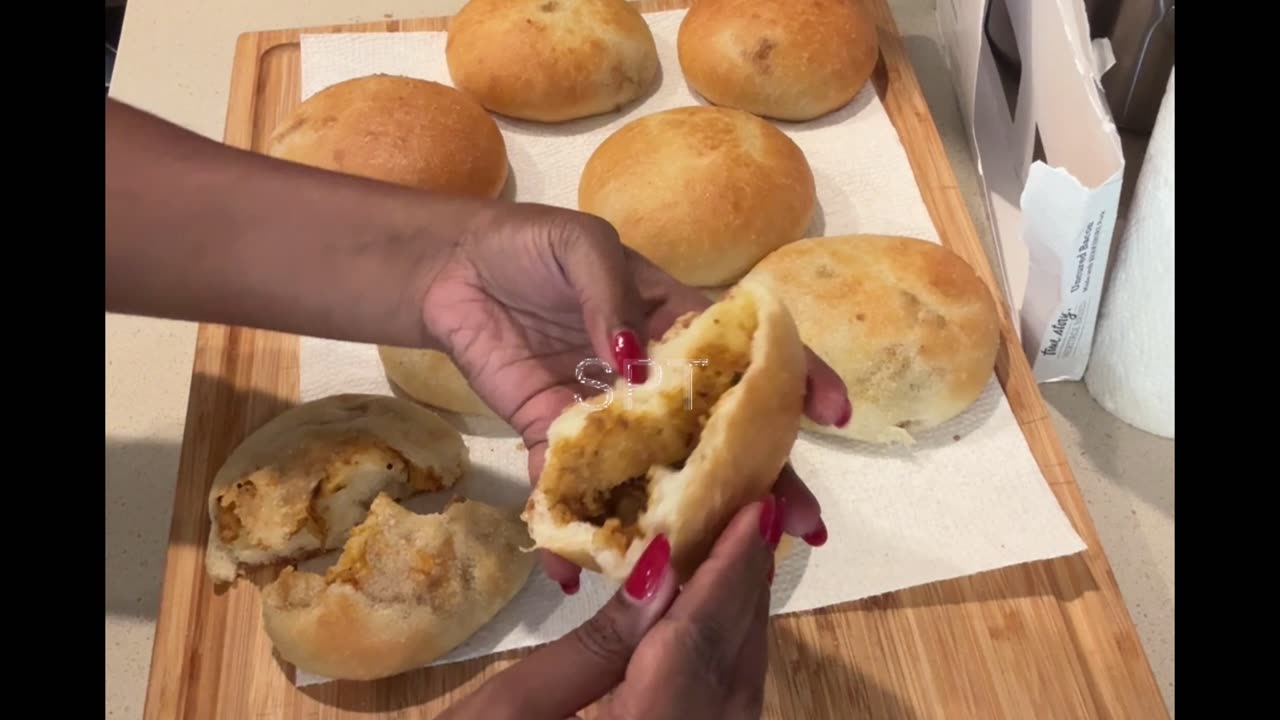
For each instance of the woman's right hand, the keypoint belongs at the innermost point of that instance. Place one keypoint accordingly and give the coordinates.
(659, 653)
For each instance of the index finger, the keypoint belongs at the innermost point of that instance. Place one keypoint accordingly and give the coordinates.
(826, 400)
(801, 513)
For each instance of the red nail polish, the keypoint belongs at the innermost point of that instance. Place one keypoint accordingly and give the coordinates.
(846, 415)
(627, 353)
(570, 586)
(647, 574)
(775, 532)
(818, 536)
(769, 517)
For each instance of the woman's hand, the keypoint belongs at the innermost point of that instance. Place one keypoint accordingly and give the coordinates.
(659, 654)
(535, 290)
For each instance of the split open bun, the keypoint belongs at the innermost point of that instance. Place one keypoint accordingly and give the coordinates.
(551, 60)
(296, 486)
(623, 467)
(432, 378)
(906, 323)
(407, 589)
(702, 192)
(793, 60)
(401, 130)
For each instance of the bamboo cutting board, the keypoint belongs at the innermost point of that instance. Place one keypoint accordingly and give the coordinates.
(1044, 640)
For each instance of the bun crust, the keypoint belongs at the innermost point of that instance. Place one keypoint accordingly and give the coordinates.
(431, 377)
(297, 485)
(663, 460)
(407, 589)
(400, 130)
(906, 323)
(702, 192)
(551, 60)
(790, 60)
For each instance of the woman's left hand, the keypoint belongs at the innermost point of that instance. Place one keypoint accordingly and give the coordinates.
(534, 290)
(657, 651)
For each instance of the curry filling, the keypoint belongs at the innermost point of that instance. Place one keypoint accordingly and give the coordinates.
(268, 508)
(396, 556)
(603, 473)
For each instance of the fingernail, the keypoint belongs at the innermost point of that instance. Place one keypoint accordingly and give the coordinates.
(627, 355)
(846, 415)
(775, 532)
(647, 574)
(818, 536)
(771, 520)
(768, 512)
(570, 586)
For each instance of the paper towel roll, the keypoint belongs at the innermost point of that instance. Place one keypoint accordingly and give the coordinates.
(1131, 364)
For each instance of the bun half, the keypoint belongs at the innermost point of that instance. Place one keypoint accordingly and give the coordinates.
(660, 459)
(297, 485)
(407, 589)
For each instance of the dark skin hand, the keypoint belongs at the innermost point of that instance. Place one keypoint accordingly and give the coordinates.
(659, 652)
(525, 317)
(517, 295)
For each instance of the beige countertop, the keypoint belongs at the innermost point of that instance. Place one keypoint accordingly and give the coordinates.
(175, 61)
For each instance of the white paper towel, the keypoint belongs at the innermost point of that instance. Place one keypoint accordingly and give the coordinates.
(1131, 368)
(966, 499)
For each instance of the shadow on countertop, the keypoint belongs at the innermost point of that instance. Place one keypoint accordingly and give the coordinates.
(1132, 459)
(142, 487)
(140, 480)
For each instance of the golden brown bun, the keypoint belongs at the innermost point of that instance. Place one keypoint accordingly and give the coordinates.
(551, 60)
(407, 589)
(432, 378)
(702, 192)
(906, 323)
(400, 130)
(297, 485)
(617, 475)
(786, 59)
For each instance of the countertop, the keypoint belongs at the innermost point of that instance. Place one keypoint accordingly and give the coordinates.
(175, 60)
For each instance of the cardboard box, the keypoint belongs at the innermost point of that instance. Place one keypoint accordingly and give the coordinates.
(1028, 79)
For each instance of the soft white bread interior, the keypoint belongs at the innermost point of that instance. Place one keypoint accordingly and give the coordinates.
(297, 485)
(705, 435)
(431, 377)
(406, 590)
(906, 323)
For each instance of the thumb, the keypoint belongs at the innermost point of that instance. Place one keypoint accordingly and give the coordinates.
(569, 674)
(595, 262)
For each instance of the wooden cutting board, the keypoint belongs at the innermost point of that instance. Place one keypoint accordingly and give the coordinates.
(1044, 640)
